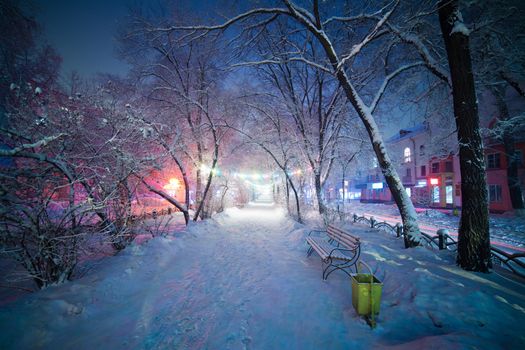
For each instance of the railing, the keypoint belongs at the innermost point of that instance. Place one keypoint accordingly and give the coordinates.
(515, 262)
(511, 261)
(153, 214)
(442, 240)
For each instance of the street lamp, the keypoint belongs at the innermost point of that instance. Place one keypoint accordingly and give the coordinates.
(172, 186)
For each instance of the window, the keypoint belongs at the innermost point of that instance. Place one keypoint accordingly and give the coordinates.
(435, 194)
(375, 164)
(407, 154)
(494, 193)
(422, 150)
(435, 168)
(423, 170)
(493, 161)
(458, 190)
(409, 172)
(448, 167)
(448, 195)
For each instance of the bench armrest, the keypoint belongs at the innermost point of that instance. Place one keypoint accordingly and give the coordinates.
(318, 231)
(355, 250)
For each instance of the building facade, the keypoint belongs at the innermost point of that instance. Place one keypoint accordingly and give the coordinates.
(496, 162)
(435, 180)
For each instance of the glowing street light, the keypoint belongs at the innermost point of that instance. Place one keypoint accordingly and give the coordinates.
(172, 186)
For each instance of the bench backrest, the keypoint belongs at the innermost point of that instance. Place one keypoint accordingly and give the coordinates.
(342, 237)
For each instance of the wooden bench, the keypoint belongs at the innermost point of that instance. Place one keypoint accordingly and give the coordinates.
(340, 251)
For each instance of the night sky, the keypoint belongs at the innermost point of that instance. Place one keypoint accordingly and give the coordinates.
(83, 31)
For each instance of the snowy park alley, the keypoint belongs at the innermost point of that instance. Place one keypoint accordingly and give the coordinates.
(242, 281)
(162, 165)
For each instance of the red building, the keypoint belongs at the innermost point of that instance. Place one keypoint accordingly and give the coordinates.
(435, 181)
(496, 165)
(444, 182)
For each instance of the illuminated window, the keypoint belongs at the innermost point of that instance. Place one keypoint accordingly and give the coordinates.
(408, 156)
(448, 194)
(435, 194)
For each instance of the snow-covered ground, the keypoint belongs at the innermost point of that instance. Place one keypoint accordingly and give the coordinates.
(503, 228)
(242, 281)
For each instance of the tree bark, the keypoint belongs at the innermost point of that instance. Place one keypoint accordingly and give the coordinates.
(296, 195)
(474, 238)
(319, 193)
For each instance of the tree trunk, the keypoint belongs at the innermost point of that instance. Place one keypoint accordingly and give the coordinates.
(171, 200)
(344, 188)
(474, 237)
(213, 165)
(507, 137)
(198, 182)
(298, 207)
(403, 202)
(319, 193)
(287, 193)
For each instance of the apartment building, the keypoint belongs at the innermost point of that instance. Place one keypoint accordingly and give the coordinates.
(433, 180)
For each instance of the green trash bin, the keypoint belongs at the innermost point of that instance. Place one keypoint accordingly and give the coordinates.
(366, 292)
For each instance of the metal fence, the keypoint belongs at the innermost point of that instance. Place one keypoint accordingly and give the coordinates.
(153, 214)
(440, 240)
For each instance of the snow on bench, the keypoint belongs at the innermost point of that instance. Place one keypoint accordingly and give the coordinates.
(340, 251)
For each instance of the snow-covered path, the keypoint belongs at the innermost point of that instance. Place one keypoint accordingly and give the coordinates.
(242, 281)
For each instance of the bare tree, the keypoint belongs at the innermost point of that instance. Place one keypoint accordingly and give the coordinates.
(498, 59)
(275, 141)
(474, 239)
(315, 104)
(180, 80)
(338, 62)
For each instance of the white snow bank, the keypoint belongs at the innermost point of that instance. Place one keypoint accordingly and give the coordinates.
(242, 280)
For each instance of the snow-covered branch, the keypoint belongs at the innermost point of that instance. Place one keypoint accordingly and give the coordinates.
(368, 38)
(27, 146)
(225, 25)
(284, 61)
(386, 81)
(423, 51)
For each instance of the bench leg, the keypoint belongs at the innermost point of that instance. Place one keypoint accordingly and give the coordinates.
(327, 271)
(324, 272)
(310, 251)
